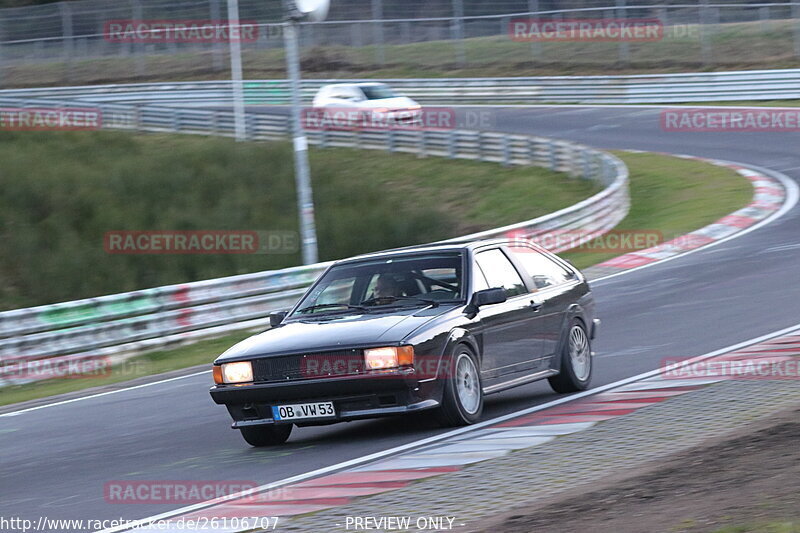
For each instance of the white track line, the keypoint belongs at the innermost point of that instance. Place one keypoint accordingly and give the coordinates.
(99, 394)
(437, 438)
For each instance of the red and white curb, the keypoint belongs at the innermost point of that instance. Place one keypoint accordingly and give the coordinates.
(769, 197)
(497, 439)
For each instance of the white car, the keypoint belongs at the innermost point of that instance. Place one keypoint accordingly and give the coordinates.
(369, 104)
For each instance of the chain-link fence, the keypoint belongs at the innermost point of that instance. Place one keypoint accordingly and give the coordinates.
(93, 41)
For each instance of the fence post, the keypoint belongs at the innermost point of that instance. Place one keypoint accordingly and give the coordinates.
(457, 30)
(585, 160)
(390, 141)
(536, 46)
(705, 45)
(2, 38)
(215, 123)
(552, 155)
(377, 31)
(763, 19)
(531, 149)
(663, 17)
(137, 118)
(138, 49)
(452, 147)
(176, 120)
(506, 151)
(423, 134)
(250, 130)
(356, 35)
(67, 38)
(217, 62)
(796, 26)
(405, 32)
(624, 46)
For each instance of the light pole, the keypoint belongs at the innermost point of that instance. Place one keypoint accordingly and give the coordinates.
(315, 10)
(305, 200)
(234, 38)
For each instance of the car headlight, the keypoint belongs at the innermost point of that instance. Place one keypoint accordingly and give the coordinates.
(389, 357)
(240, 372)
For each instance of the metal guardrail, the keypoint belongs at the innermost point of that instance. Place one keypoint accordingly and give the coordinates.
(107, 325)
(633, 89)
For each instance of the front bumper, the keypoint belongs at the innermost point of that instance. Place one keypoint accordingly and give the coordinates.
(354, 397)
(344, 415)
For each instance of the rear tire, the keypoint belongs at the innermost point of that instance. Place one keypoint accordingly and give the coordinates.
(576, 361)
(259, 436)
(462, 398)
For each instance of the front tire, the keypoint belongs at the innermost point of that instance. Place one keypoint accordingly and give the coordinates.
(576, 361)
(462, 398)
(259, 436)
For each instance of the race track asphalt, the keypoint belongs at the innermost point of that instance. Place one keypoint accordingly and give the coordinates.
(55, 461)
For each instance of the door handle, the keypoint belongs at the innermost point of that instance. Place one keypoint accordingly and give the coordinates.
(535, 306)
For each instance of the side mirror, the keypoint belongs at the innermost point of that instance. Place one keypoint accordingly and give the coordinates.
(275, 319)
(496, 295)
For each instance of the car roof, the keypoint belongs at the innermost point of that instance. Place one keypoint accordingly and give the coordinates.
(360, 84)
(454, 245)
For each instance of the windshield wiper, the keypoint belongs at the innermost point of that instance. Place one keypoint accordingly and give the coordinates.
(383, 300)
(329, 306)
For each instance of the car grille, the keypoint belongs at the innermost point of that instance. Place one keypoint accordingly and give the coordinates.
(309, 366)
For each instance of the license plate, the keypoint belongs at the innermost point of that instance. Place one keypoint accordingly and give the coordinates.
(303, 410)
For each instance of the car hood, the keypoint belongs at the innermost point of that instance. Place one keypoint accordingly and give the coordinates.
(334, 332)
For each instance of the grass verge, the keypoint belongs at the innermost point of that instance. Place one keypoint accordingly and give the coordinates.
(671, 195)
(62, 192)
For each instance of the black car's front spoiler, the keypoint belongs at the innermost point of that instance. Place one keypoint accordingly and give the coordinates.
(351, 415)
(368, 395)
(373, 382)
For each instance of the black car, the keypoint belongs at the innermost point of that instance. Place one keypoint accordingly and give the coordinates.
(434, 327)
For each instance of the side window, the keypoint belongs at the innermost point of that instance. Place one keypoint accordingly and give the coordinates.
(500, 272)
(542, 270)
(479, 280)
(337, 292)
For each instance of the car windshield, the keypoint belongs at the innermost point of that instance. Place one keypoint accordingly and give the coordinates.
(419, 280)
(377, 92)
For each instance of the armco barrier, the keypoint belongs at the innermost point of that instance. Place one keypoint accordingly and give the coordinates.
(631, 89)
(125, 323)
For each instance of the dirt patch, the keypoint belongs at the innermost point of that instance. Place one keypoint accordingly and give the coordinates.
(751, 478)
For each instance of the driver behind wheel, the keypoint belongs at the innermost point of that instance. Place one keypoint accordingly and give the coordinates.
(386, 286)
